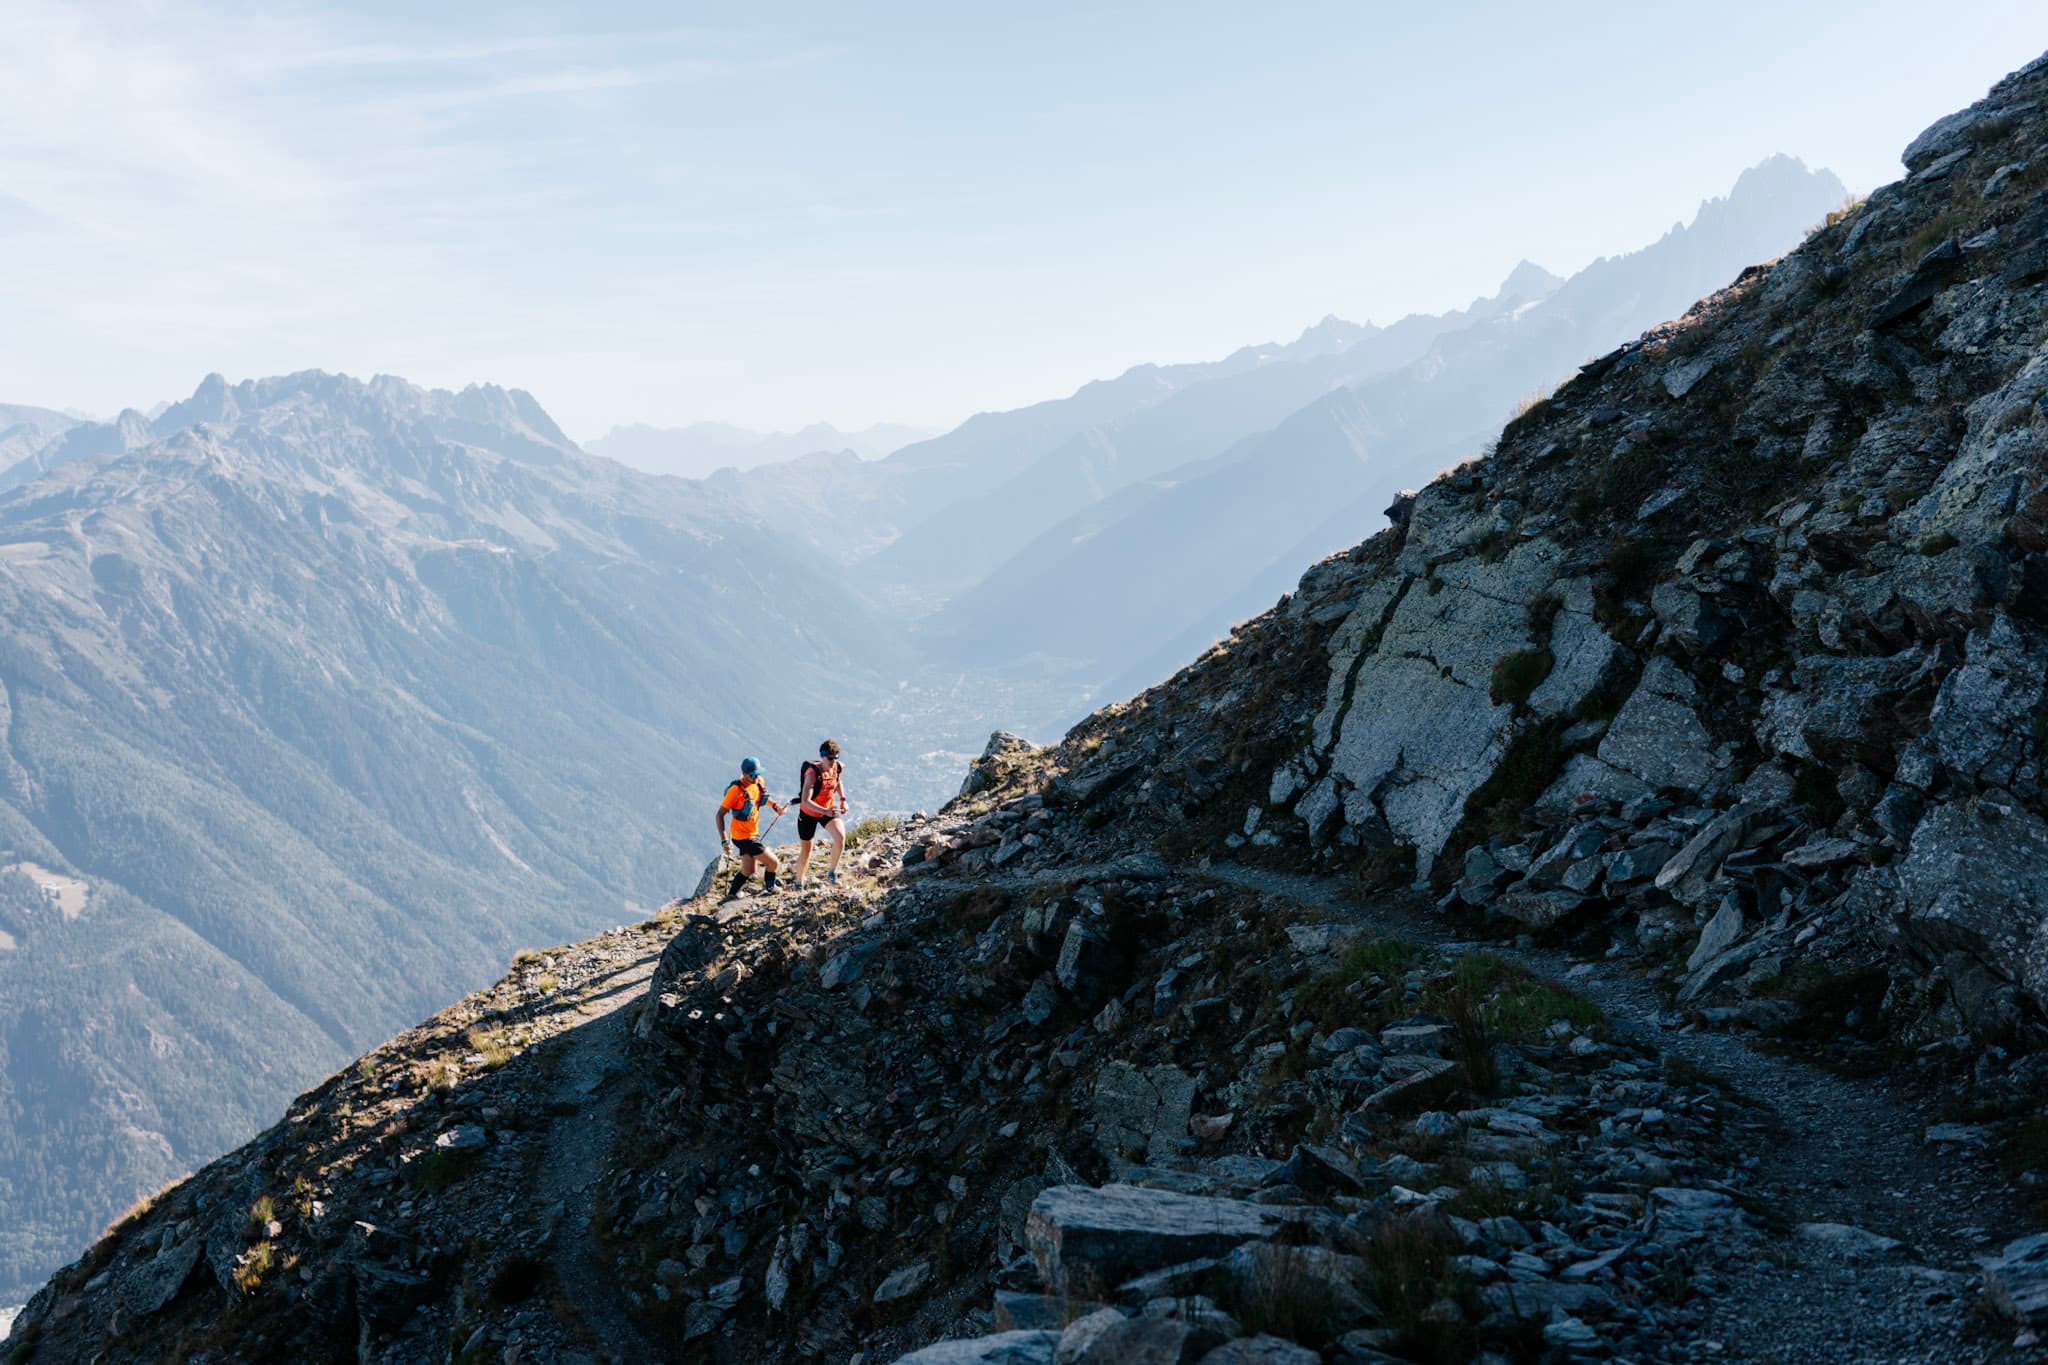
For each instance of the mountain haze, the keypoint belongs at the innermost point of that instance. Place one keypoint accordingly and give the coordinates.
(1155, 549)
(703, 448)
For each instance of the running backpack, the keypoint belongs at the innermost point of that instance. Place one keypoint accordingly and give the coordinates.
(746, 810)
(803, 775)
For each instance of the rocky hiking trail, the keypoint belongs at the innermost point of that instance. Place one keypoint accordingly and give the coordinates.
(577, 1156)
(1831, 1153)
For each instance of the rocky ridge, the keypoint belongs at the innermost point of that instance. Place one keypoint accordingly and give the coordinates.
(1712, 702)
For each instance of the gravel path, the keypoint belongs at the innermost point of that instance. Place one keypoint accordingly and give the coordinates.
(578, 1156)
(1827, 1150)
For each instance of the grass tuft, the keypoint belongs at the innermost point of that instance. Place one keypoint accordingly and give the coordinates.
(869, 828)
(255, 1263)
(1520, 673)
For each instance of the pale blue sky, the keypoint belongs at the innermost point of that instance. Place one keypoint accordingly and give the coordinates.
(769, 214)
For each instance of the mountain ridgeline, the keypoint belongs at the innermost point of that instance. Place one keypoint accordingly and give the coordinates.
(702, 449)
(1597, 916)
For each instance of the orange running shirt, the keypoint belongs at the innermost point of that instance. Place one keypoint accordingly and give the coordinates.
(737, 795)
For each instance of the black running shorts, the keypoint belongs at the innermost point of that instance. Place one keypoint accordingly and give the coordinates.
(750, 848)
(807, 824)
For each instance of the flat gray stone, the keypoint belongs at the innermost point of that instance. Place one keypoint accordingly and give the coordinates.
(1261, 1350)
(1719, 935)
(1587, 780)
(151, 1285)
(1975, 882)
(1983, 719)
(1142, 1113)
(1690, 870)
(2017, 1282)
(1083, 1332)
(1680, 379)
(1084, 1238)
(1422, 732)
(1658, 737)
(464, 1137)
(906, 1283)
(1004, 1348)
(1849, 1242)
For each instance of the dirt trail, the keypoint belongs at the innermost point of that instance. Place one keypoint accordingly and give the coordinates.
(1826, 1150)
(588, 1081)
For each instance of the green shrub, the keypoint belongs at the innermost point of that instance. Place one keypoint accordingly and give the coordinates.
(1413, 1264)
(1290, 1296)
(1635, 565)
(869, 828)
(439, 1169)
(1518, 674)
(1509, 1003)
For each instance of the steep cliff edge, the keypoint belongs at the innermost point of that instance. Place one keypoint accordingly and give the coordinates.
(1711, 705)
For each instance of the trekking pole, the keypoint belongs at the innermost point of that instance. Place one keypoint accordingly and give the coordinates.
(771, 825)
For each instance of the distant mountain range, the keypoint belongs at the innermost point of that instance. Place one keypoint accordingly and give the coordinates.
(702, 449)
(1177, 553)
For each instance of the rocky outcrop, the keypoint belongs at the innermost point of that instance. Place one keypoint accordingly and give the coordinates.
(1787, 556)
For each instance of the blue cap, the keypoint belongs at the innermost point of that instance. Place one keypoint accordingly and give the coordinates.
(749, 766)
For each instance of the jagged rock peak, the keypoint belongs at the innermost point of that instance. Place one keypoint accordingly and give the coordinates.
(1528, 282)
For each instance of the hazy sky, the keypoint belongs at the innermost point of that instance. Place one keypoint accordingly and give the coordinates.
(773, 213)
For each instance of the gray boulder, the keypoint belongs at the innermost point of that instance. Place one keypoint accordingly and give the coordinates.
(1141, 1113)
(1086, 960)
(1004, 1348)
(1983, 720)
(1691, 619)
(1002, 746)
(1690, 870)
(151, 1285)
(1144, 1341)
(1658, 738)
(906, 1283)
(1083, 1332)
(1975, 882)
(1941, 137)
(1261, 1350)
(1719, 935)
(1422, 732)
(1083, 1237)
(2017, 1282)
(1975, 497)
(1585, 659)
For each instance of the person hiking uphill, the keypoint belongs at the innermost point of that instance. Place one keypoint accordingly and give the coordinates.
(821, 804)
(742, 802)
